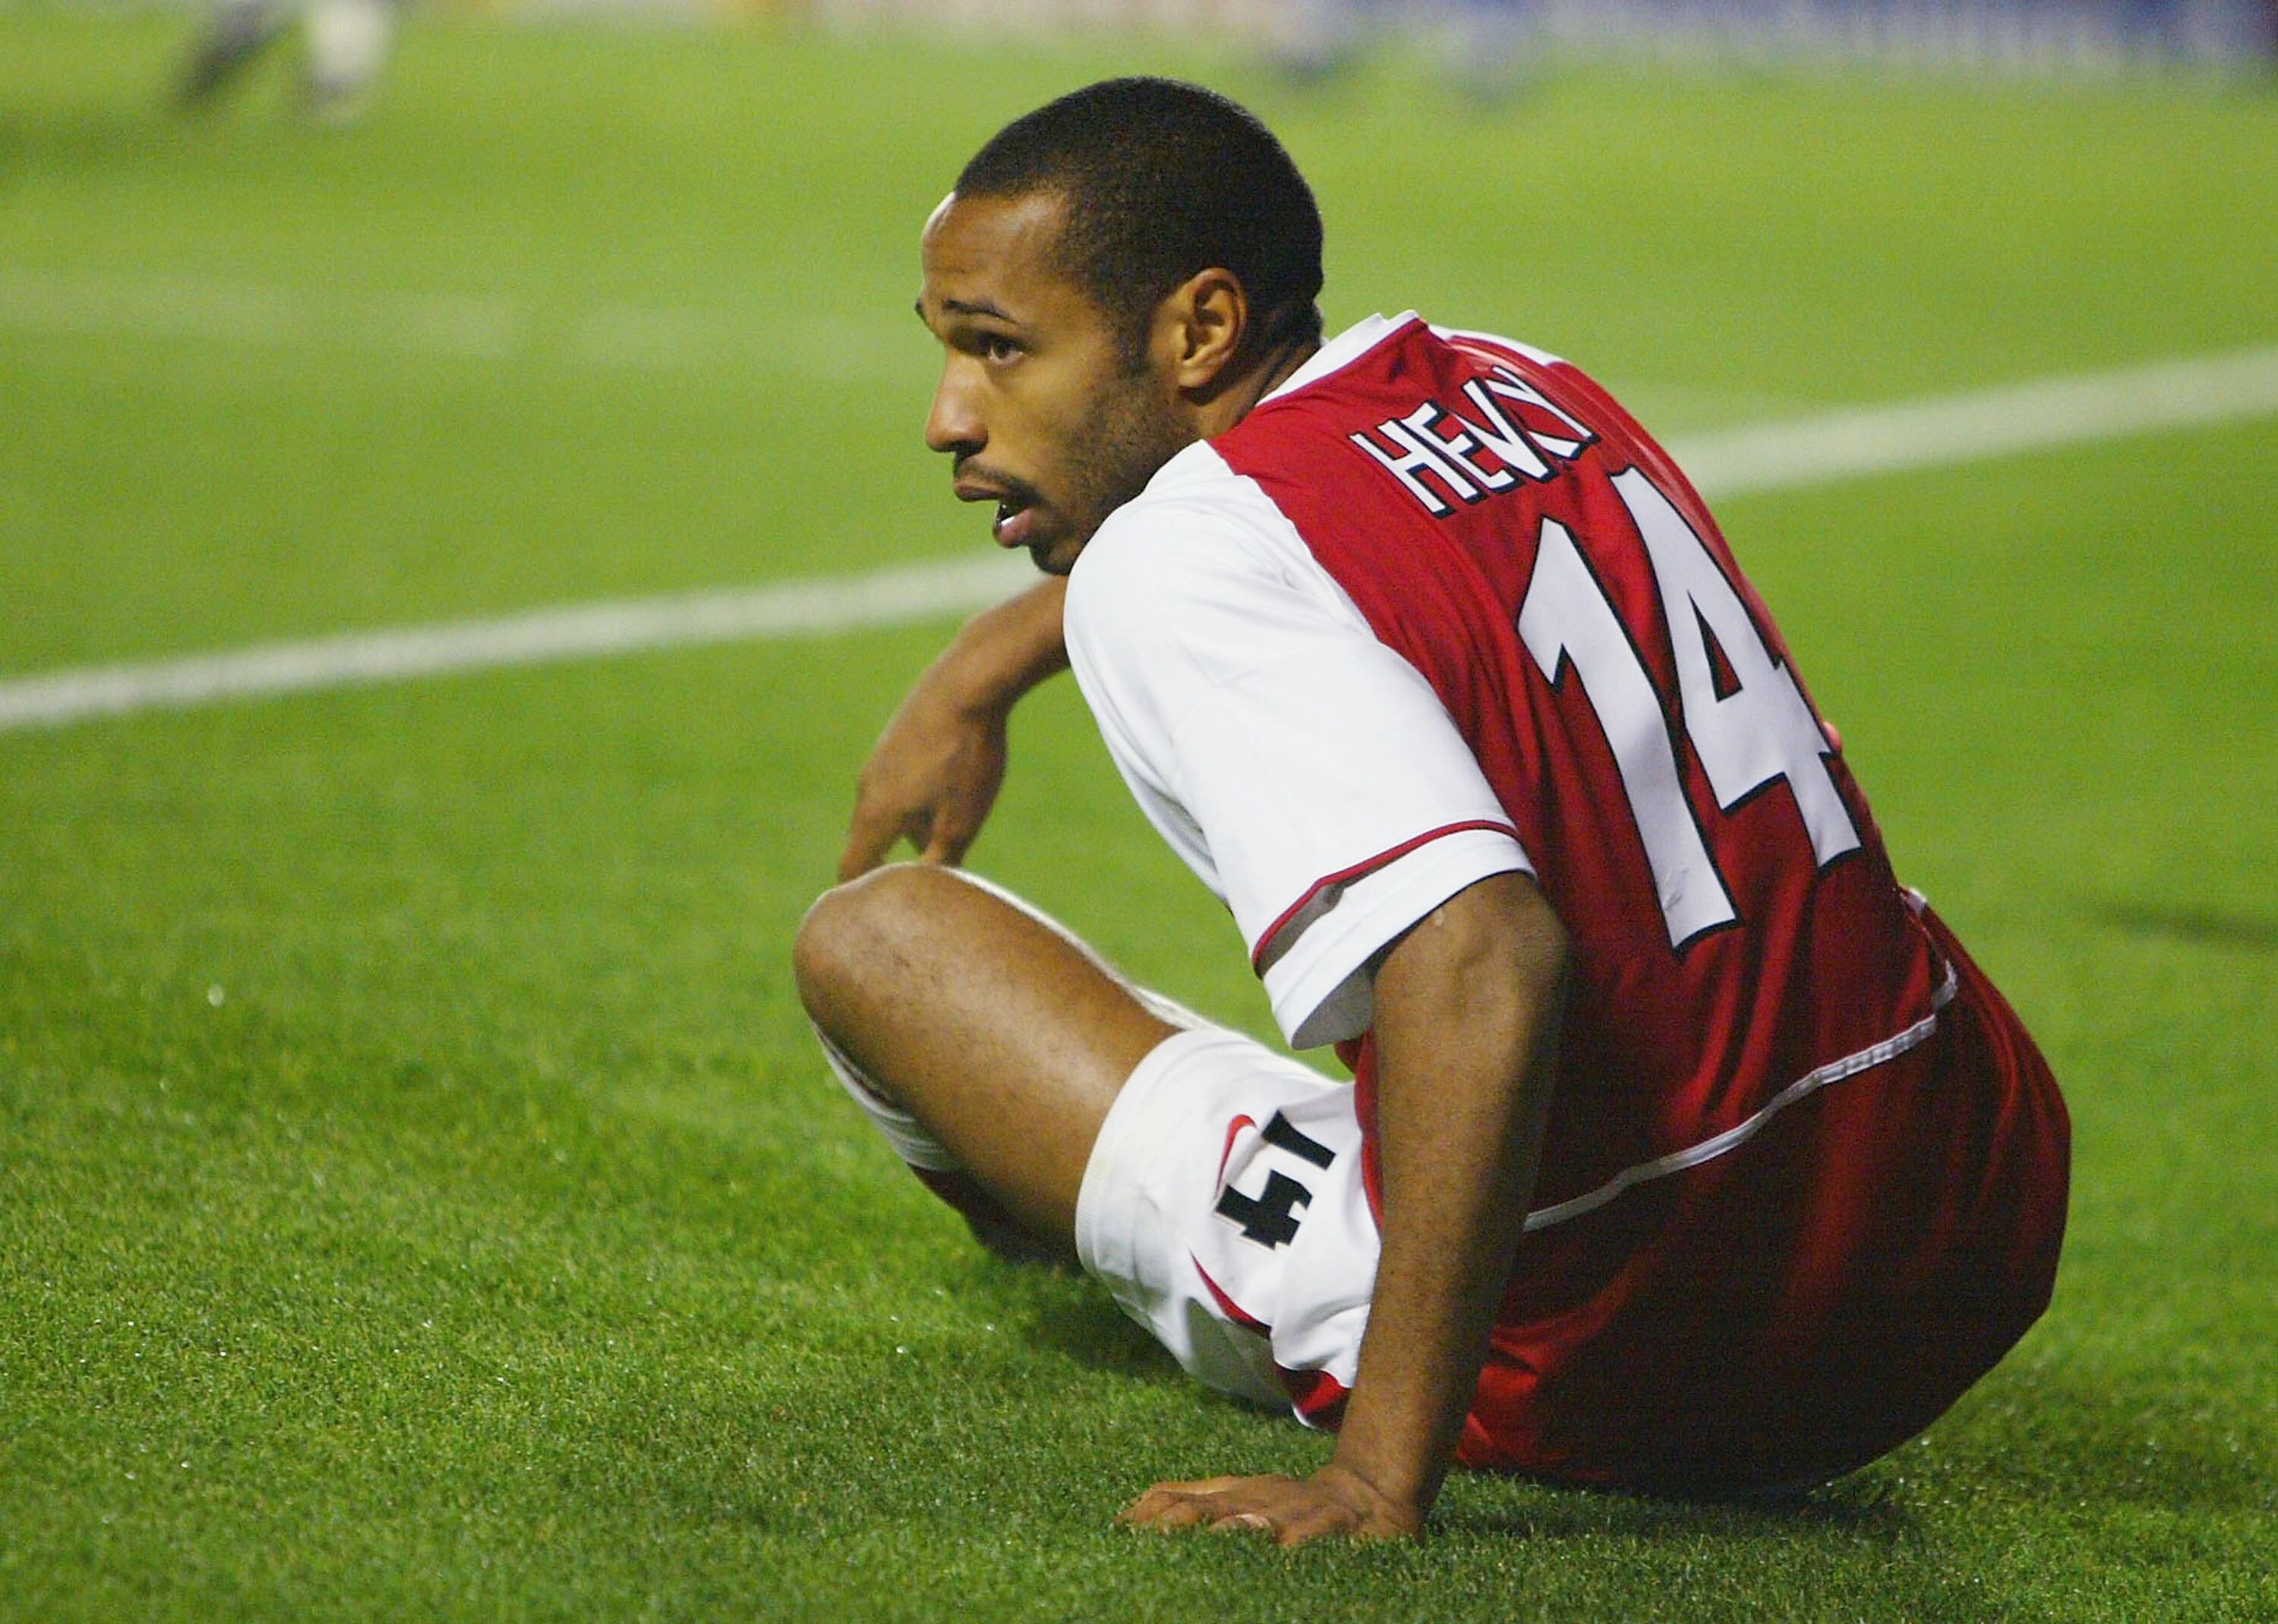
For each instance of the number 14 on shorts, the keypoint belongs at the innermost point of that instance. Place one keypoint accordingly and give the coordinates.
(1270, 1217)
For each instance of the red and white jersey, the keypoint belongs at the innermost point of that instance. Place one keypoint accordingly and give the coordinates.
(1436, 609)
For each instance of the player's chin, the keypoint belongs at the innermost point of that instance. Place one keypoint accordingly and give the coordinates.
(1057, 555)
(1051, 537)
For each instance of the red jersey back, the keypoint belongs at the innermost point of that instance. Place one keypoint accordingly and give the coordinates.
(1734, 924)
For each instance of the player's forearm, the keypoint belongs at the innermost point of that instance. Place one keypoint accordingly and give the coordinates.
(1003, 652)
(1468, 1007)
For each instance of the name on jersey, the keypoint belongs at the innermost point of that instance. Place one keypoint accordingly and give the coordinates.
(1445, 456)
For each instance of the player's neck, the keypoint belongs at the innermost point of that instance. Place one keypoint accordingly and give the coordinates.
(1270, 370)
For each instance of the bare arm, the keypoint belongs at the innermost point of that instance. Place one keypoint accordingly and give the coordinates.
(935, 771)
(1468, 1005)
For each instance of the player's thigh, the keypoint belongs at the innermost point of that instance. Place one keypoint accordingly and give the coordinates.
(1004, 1037)
(1225, 1210)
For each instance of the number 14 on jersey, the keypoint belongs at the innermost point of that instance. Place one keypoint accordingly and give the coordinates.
(1748, 724)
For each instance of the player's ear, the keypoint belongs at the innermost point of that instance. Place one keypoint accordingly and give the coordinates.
(1209, 314)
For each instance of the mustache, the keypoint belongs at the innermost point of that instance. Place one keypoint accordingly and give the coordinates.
(1018, 491)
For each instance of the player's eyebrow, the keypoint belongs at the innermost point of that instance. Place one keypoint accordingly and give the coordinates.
(965, 307)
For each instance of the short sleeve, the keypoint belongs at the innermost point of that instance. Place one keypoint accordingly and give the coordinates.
(1304, 771)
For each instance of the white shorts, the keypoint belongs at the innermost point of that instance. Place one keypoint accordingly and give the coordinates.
(1223, 1209)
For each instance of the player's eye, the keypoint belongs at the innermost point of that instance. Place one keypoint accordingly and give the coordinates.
(996, 348)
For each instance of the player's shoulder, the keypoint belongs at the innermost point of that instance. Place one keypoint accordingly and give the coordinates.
(1200, 577)
(1197, 529)
(1493, 346)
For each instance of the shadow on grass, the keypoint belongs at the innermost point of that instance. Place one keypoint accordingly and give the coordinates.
(1866, 1505)
(1065, 1311)
(2032, 1441)
(848, 1451)
(2028, 1437)
(2191, 926)
(2024, 1434)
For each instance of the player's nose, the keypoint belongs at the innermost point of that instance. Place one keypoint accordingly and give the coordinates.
(953, 425)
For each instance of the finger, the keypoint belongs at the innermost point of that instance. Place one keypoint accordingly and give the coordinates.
(868, 836)
(1200, 1485)
(1178, 1512)
(946, 846)
(1197, 1501)
(860, 858)
(1149, 1506)
(1244, 1522)
(1177, 1506)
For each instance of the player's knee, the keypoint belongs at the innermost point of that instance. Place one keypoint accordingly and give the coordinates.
(854, 934)
(829, 948)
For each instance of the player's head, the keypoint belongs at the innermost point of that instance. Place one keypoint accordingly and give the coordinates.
(1113, 275)
(1160, 180)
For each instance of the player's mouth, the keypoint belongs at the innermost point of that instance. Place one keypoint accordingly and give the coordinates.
(1012, 522)
(1017, 506)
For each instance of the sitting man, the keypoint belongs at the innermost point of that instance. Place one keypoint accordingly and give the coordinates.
(1685, 1151)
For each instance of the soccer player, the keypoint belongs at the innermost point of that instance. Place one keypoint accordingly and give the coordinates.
(1686, 1150)
(347, 43)
(1482, 46)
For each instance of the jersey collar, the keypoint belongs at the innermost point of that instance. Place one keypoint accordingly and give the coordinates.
(1342, 351)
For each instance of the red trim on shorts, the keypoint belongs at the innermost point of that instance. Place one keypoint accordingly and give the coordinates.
(1226, 1304)
(1227, 1154)
(1316, 1396)
(1343, 875)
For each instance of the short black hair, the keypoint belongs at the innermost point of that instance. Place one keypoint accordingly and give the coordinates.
(1162, 180)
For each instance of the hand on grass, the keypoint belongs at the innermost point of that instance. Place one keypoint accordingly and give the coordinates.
(1288, 1510)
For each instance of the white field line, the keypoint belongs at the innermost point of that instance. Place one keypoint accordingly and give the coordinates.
(790, 609)
(1941, 432)
(1944, 430)
(462, 327)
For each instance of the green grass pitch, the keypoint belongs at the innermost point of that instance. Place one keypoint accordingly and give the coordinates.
(419, 1198)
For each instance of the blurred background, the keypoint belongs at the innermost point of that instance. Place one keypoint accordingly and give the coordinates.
(1485, 45)
(2009, 33)
(420, 1196)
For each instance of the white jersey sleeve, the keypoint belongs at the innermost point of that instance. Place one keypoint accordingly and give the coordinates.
(1306, 772)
